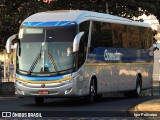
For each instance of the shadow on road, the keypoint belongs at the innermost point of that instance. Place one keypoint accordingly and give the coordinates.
(74, 102)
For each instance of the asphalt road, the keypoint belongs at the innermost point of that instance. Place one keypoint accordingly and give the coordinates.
(106, 107)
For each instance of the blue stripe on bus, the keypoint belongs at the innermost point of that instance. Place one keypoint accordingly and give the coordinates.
(48, 24)
(41, 78)
(115, 55)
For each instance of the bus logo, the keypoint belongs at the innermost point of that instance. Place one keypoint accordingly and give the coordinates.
(6, 114)
(43, 85)
(109, 56)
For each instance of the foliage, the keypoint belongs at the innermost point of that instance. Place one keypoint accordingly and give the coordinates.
(14, 12)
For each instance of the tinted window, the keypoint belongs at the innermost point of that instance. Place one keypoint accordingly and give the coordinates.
(61, 34)
(83, 27)
(120, 36)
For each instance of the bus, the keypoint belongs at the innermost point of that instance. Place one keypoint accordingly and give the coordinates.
(78, 53)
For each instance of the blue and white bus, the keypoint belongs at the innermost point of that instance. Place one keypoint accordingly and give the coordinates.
(78, 53)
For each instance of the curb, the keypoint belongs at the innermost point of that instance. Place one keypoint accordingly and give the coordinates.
(151, 105)
(8, 96)
(149, 110)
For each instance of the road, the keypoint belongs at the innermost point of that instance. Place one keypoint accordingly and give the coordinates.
(106, 107)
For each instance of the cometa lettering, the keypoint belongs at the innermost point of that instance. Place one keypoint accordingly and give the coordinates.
(108, 56)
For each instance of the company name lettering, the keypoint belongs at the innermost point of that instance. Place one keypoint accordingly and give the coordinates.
(15, 114)
(108, 56)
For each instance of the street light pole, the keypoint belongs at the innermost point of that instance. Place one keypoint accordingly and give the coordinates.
(107, 11)
(4, 66)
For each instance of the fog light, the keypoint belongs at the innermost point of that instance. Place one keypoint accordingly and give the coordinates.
(21, 92)
(68, 90)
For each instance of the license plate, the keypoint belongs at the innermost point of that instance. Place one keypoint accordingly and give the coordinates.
(43, 92)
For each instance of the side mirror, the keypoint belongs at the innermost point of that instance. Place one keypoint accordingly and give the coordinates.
(14, 46)
(9, 43)
(155, 48)
(77, 41)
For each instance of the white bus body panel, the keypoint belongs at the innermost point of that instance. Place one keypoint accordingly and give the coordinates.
(111, 77)
(114, 77)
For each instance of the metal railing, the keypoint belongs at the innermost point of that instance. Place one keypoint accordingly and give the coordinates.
(6, 87)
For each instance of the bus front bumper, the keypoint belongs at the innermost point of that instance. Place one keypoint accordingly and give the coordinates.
(63, 89)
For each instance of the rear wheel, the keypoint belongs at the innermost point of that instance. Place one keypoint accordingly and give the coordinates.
(98, 97)
(39, 100)
(138, 89)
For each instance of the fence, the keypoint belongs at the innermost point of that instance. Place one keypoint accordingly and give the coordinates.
(6, 74)
(6, 87)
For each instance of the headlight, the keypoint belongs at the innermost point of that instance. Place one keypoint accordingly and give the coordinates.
(68, 81)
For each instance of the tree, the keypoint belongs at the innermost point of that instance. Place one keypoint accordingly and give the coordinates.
(14, 12)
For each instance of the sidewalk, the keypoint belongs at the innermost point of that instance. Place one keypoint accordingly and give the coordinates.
(151, 105)
(148, 110)
(7, 96)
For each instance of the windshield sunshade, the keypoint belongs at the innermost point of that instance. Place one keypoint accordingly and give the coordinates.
(46, 50)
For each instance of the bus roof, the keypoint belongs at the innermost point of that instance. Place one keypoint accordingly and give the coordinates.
(77, 16)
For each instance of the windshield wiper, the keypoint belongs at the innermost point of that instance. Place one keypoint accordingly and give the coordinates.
(53, 62)
(34, 63)
(67, 71)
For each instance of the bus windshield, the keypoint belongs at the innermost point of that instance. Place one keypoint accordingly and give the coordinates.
(46, 50)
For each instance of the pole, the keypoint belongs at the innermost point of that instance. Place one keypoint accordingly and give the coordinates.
(107, 11)
(4, 66)
(8, 69)
(159, 76)
(14, 63)
(159, 87)
(152, 88)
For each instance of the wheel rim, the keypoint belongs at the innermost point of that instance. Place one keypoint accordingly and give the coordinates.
(92, 90)
(138, 89)
(39, 100)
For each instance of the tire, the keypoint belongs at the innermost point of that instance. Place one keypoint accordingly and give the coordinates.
(128, 94)
(92, 92)
(39, 100)
(98, 97)
(138, 89)
(135, 93)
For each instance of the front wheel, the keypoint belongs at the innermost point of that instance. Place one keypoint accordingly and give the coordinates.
(92, 92)
(39, 100)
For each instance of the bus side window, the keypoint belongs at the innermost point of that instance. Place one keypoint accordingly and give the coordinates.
(82, 51)
(83, 27)
(101, 35)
